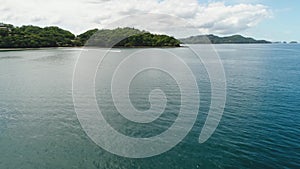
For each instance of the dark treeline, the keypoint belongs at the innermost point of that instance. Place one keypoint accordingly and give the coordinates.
(128, 37)
(36, 37)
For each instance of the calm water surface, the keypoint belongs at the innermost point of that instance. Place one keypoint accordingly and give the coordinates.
(260, 127)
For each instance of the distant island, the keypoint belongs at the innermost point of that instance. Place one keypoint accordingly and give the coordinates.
(204, 39)
(52, 36)
(293, 42)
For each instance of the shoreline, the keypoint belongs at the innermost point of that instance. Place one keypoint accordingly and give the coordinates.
(135, 47)
(138, 47)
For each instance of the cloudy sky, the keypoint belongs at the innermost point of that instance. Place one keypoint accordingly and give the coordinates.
(264, 19)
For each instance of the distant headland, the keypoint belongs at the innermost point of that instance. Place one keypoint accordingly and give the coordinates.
(238, 39)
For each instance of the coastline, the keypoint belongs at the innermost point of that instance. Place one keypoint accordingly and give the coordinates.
(136, 47)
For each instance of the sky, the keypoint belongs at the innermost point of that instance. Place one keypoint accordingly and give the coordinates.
(275, 20)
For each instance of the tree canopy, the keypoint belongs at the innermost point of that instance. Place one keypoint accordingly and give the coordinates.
(130, 37)
(36, 37)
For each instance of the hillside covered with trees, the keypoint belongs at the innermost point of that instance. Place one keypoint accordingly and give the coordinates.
(36, 37)
(128, 37)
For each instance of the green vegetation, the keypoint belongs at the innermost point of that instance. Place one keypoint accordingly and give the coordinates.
(203, 39)
(36, 37)
(81, 39)
(130, 37)
(148, 39)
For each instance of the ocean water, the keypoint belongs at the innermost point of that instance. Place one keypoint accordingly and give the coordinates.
(260, 126)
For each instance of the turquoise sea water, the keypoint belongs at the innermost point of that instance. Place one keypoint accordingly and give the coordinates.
(259, 129)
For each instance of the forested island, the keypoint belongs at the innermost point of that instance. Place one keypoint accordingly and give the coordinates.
(52, 36)
(204, 39)
(126, 37)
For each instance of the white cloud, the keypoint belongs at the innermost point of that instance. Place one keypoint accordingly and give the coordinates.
(80, 15)
(218, 18)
